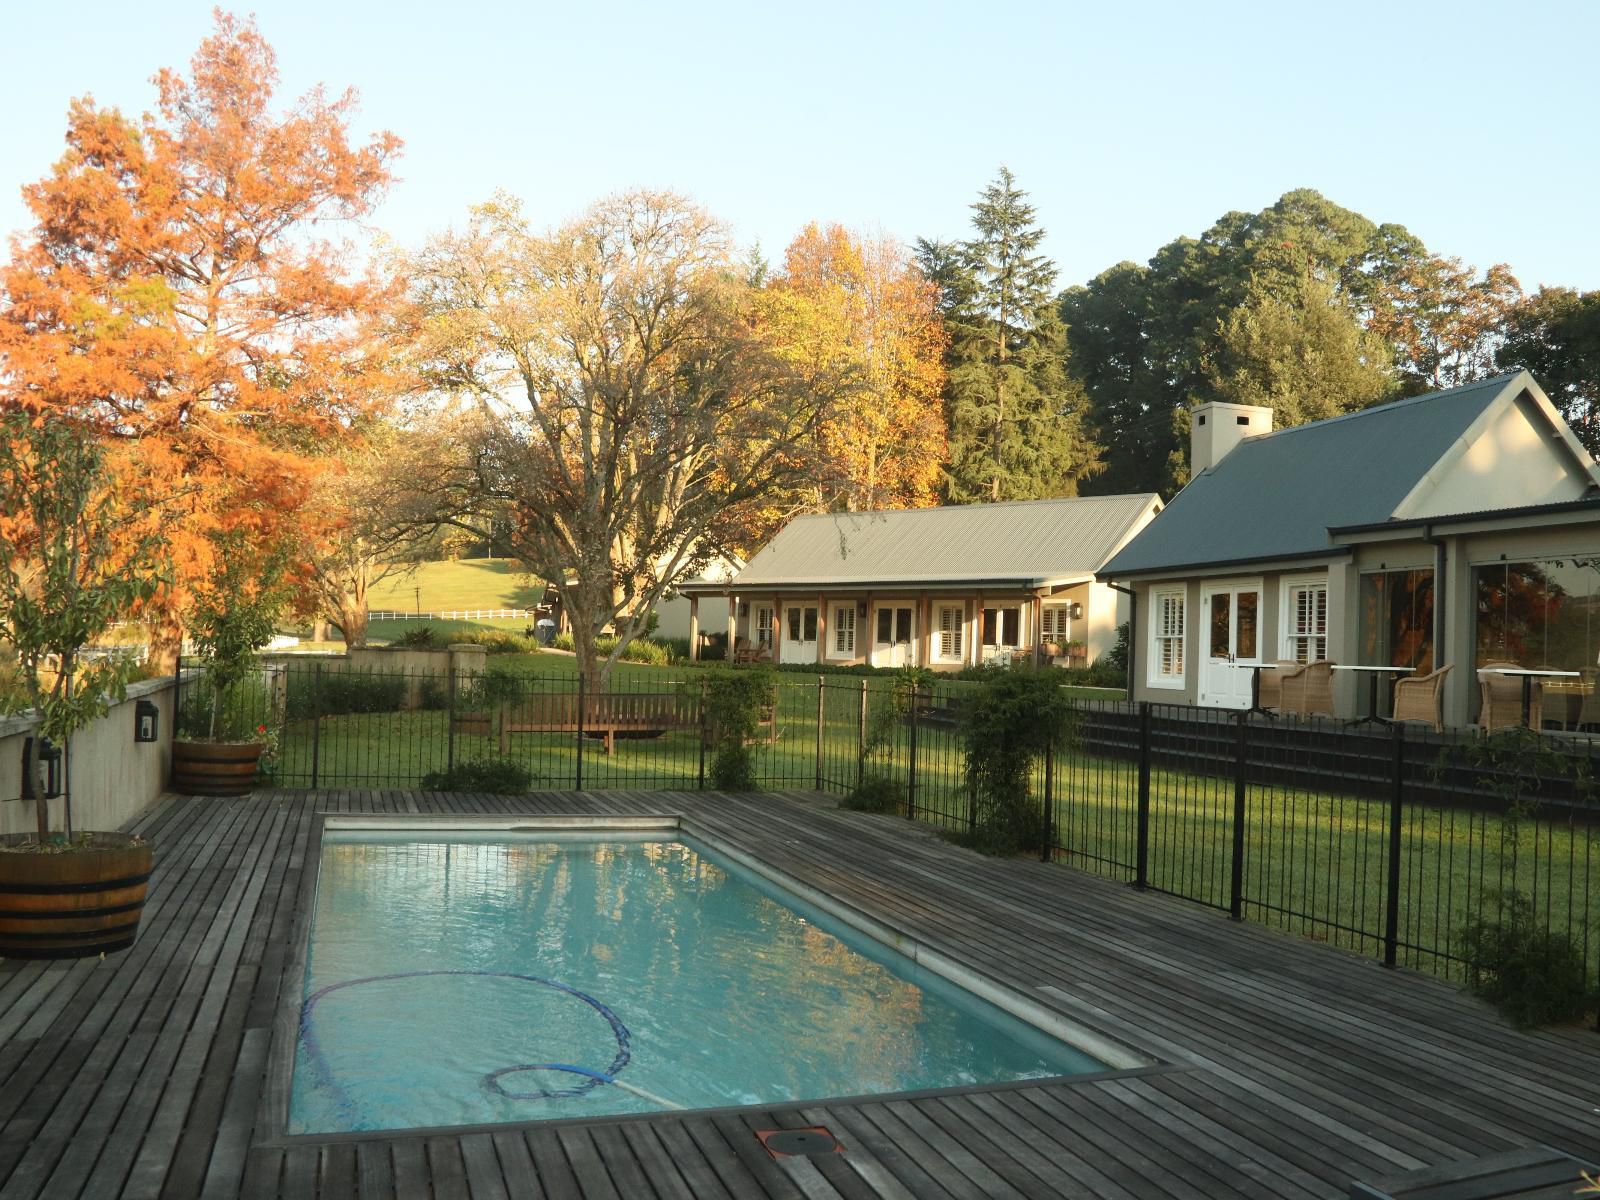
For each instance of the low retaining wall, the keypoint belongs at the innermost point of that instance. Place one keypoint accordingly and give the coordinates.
(113, 778)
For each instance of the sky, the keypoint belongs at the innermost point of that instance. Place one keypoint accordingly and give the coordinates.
(1472, 124)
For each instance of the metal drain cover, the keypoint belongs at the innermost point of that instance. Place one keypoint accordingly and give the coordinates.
(786, 1143)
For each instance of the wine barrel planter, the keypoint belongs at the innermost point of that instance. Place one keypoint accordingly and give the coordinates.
(214, 768)
(72, 903)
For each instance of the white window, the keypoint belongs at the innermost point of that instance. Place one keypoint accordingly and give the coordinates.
(952, 624)
(1166, 637)
(1305, 619)
(1054, 623)
(1002, 627)
(844, 631)
(764, 627)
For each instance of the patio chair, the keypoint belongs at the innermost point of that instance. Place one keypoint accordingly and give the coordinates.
(1309, 690)
(1272, 683)
(1500, 699)
(1421, 699)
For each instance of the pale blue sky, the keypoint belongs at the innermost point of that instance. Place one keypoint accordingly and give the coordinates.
(1473, 124)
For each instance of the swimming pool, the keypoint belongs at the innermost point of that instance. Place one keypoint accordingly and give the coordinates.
(472, 978)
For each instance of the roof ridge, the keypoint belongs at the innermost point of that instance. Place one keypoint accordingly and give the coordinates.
(977, 505)
(1499, 381)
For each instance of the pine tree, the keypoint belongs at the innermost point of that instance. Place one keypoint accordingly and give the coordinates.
(1016, 418)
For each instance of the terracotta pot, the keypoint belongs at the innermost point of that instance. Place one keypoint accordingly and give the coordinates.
(73, 903)
(214, 768)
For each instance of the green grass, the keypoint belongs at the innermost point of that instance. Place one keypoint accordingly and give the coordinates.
(456, 584)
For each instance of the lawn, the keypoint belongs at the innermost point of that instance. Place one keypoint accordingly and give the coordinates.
(455, 584)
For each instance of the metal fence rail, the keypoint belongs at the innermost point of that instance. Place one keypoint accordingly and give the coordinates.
(1384, 840)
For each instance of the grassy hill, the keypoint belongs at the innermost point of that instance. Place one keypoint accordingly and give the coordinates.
(457, 584)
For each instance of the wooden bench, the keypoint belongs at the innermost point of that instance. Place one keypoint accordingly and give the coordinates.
(605, 715)
(1530, 1174)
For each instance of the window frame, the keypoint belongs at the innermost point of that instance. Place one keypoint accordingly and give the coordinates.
(1154, 676)
(843, 630)
(1287, 611)
(956, 633)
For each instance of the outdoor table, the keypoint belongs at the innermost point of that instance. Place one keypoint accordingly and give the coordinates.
(1527, 684)
(1255, 690)
(1373, 674)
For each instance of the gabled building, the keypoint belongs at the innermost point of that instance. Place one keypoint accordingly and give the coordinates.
(1457, 528)
(936, 587)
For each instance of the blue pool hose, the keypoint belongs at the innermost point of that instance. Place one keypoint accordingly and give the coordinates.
(589, 1078)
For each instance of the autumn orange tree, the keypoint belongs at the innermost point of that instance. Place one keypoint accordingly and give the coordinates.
(179, 293)
(859, 305)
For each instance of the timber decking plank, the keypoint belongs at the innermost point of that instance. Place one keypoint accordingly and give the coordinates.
(484, 1177)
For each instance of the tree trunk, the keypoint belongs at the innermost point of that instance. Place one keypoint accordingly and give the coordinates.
(30, 773)
(319, 629)
(352, 623)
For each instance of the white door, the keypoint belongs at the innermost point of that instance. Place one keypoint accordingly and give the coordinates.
(893, 632)
(1230, 616)
(799, 641)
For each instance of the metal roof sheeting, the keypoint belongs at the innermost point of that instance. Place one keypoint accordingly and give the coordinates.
(1034, 540)
(1276, 495)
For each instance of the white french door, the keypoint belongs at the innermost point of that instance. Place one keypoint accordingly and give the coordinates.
(1230, 618)
(799, 642)
(893, 635)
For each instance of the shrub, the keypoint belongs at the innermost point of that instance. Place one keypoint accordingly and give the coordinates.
(494, 687)
(1116, 658)
(420, 638)
(499, 775)
(342, 692)
(735, 701)
(432, 694)
(1006, 724)
(1531, 973)
(677, 648)
(497, 641)
(877, 794)
(563, 641)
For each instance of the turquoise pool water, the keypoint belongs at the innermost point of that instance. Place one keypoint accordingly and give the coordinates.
(515, 977)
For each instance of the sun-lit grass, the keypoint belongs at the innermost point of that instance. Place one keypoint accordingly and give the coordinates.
(457, 584)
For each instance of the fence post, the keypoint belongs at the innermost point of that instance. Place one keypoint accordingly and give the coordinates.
(1141, 860)
(911, 757)
(1048, 838)
(1391, 910)
(1240, 770)
(450, 719)
(703, 734)
(861, 737)
(177, 692)
(316, 721)
(822, 682)
(578, 784)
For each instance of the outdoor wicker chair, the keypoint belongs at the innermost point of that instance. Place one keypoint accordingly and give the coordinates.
(1271, 694)
(1589, 707)
(1421, 699)
(1500, 699)
(1309, 689)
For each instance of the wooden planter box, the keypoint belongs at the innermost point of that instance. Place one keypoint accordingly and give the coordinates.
(74, 903)
(214, 768)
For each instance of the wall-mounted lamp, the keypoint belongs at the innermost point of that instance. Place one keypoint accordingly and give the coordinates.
(1075, 610)
(861, 608)
(744, 608)
(46, 757)
(146, 721)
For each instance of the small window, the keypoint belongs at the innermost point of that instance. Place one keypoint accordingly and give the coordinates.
(764, 629)
(1306, 621)
(1167, 638)
(844, 631)
(902, 626)
(794, 625)
(885, 626)
(811, 625)
(952, 622)
(1241, 420)
(1200, 420)
(1054, 623)
(1001, 626)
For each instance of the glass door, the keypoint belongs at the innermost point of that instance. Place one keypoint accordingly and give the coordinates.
(892, 636)
(1230, 614)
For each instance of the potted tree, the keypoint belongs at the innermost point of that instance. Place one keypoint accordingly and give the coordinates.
(76, 553)
(228, 717)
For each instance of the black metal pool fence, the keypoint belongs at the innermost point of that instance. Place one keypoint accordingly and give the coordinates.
(1385, 840)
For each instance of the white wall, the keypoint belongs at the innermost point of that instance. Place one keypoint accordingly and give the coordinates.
(1516, 461)
(112, 778)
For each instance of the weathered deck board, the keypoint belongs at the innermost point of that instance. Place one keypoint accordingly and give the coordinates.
(1294, 1068)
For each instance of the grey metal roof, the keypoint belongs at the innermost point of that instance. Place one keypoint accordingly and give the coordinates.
(1276, 495)
(1035, 540)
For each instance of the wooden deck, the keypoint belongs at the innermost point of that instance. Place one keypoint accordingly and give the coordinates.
(1286, 1069)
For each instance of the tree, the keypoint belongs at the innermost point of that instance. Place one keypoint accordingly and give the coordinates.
(1444, 322)
(78, 550)
(1015, 418)
(1304, 355)
(629, 409)
(1555, 333)
(366, 521)
(177, 293)
(861, 304)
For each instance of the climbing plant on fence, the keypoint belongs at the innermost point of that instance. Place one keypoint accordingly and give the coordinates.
(735, 702)
(1008, 723)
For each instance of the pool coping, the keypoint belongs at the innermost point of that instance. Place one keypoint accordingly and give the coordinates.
(1123, 1060)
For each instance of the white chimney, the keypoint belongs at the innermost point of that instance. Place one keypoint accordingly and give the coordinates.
(1218, 427)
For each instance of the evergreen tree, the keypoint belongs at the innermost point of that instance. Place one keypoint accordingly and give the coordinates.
(1016, 418)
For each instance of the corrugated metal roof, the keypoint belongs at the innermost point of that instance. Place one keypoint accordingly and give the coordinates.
(1032, 539)
(1275, 496)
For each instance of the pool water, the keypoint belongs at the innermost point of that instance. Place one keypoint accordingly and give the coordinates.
(468, 980)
